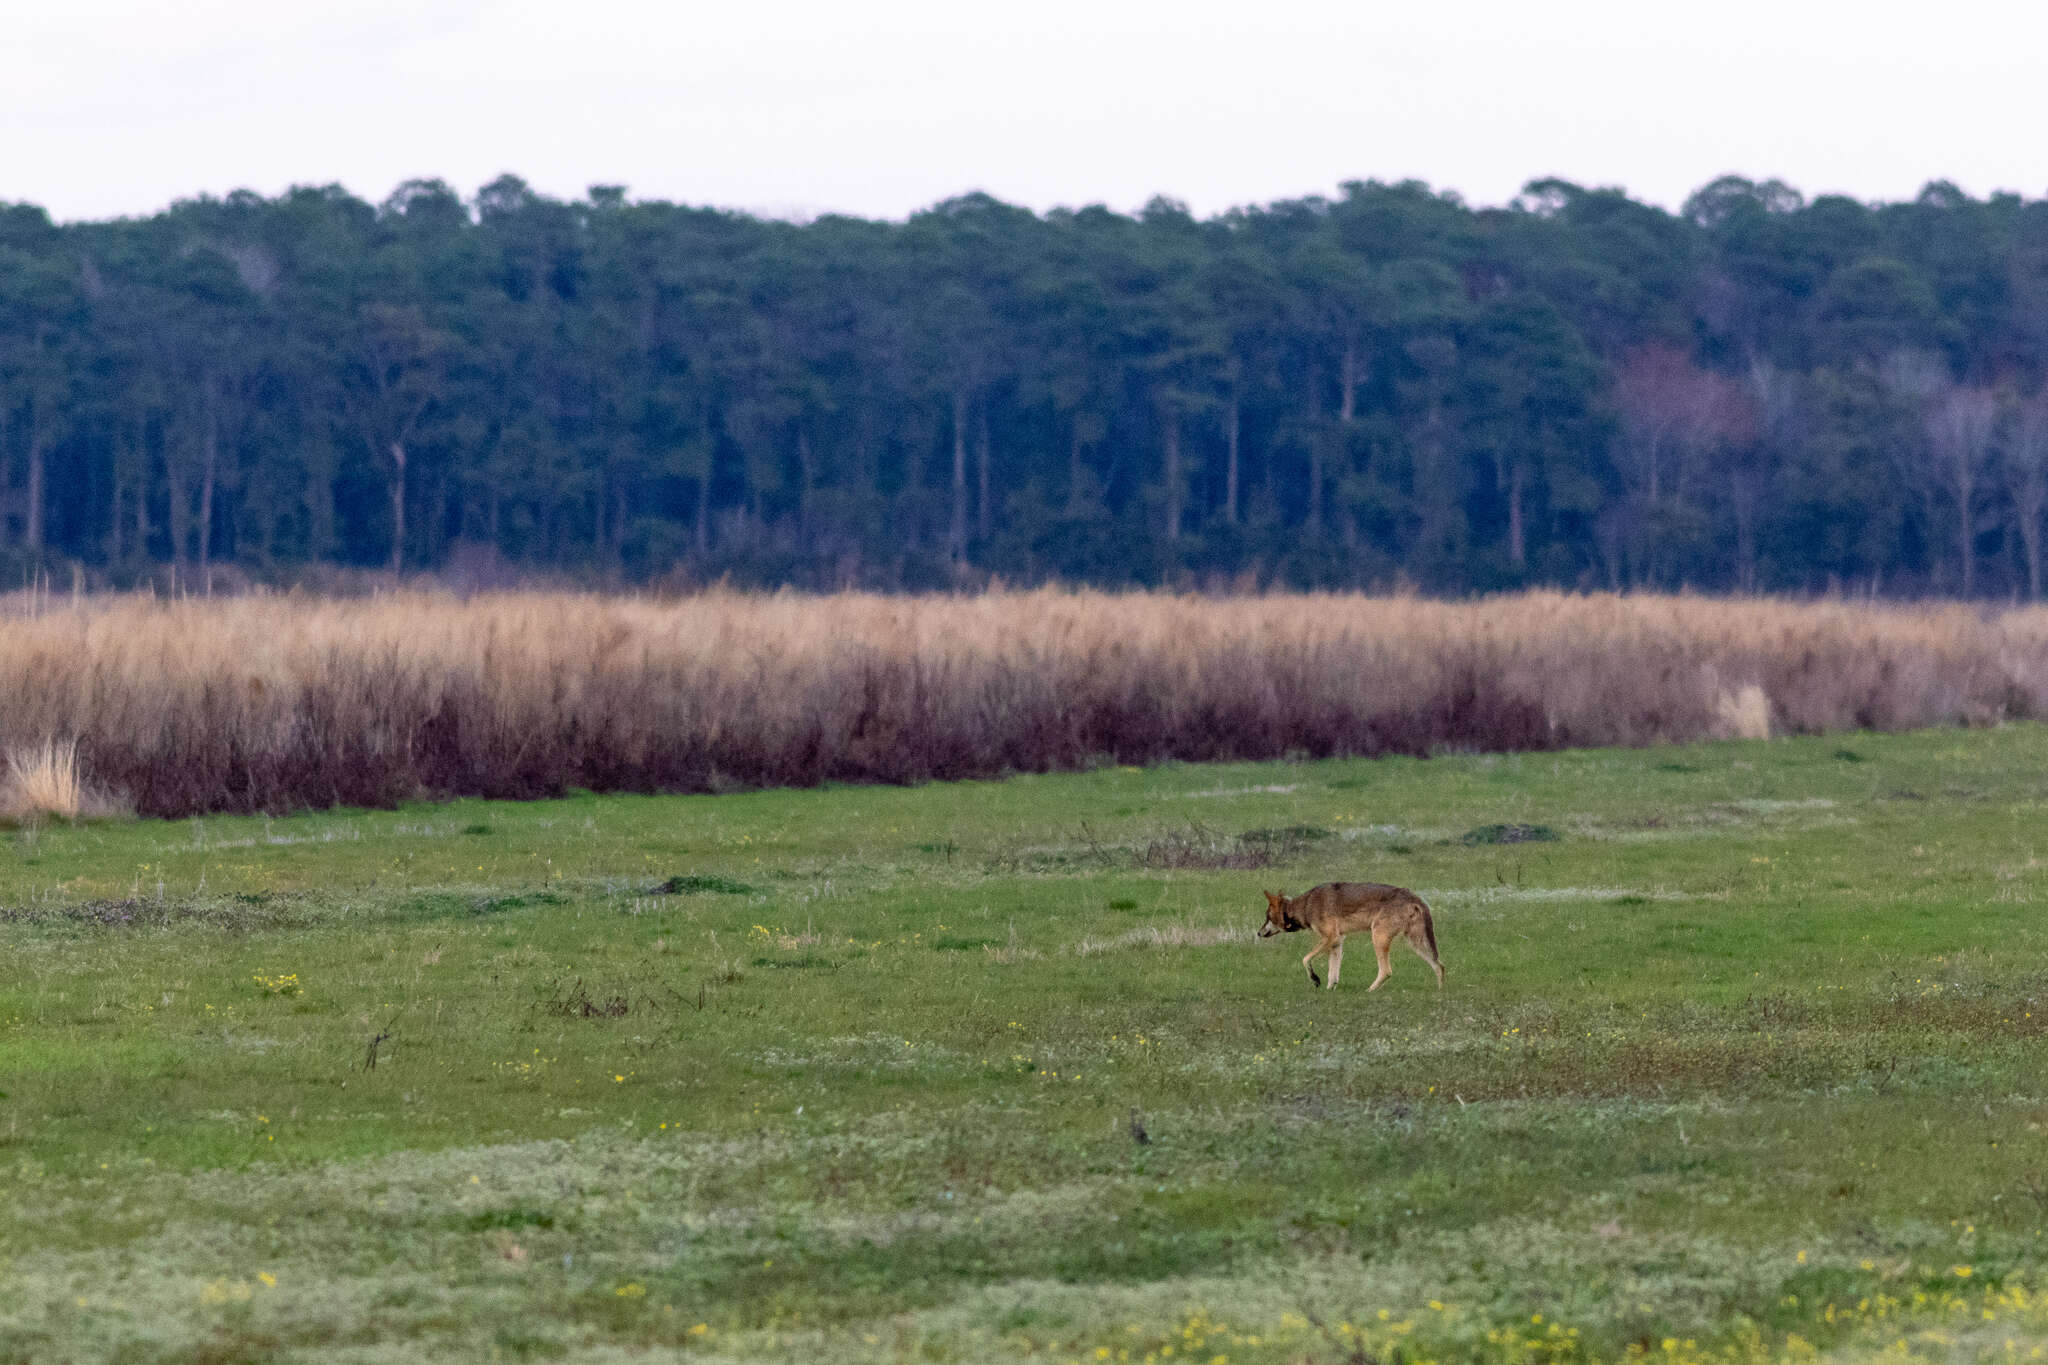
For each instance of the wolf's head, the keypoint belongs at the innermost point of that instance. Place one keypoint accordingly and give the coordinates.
(1279, 919)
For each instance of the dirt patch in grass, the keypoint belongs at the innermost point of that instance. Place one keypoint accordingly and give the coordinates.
(699, 886)
(1165, 936)
(1509, 834)
(434, 905)
(238, 914)
(1285, 837)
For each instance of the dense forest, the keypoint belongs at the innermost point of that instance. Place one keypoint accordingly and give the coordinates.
(1380, 389)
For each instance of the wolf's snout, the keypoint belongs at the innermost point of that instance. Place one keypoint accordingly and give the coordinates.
(1267, 930)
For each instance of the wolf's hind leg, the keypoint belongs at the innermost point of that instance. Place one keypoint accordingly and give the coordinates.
(1421, 946)
(1336, 963)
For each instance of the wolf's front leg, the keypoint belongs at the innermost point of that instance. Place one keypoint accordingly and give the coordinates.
(1382, 940)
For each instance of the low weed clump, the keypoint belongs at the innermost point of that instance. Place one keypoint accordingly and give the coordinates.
(953, 1073)
(270, 703)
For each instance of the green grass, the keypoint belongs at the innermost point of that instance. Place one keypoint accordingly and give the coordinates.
(1748, 1057)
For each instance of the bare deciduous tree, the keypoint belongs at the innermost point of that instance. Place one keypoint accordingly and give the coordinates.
(2025, 467)
(1672, 413)
(1676, 420)
(1776, 400)
(399, 370)
(1960, 425)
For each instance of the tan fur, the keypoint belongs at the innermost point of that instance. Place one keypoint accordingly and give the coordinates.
(1335, 909)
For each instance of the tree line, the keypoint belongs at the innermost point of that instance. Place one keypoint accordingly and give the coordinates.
(1386, 387)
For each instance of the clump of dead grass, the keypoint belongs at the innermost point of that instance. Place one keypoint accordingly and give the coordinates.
(42, 781)
(1742, 714)
(271, 702)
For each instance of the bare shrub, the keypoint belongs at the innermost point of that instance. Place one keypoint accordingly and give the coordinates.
(272, 702)
(1196, 847)
(577, 1002)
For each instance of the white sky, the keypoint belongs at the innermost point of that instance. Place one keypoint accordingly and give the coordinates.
(880, 107)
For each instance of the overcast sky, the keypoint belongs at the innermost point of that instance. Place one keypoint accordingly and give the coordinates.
(880, 107)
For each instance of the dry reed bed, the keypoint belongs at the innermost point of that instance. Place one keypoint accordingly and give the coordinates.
(278, 702)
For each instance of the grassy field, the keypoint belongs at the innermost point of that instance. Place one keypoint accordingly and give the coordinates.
(1742, 1057)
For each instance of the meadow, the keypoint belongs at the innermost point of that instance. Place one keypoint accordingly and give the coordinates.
(1741, 1058)
(276, 703)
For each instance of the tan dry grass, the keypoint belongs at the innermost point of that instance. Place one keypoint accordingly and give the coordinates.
(269, 701)
(42, 780)
(1742, 714)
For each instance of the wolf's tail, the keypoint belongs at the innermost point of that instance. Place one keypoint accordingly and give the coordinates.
(1429, 932)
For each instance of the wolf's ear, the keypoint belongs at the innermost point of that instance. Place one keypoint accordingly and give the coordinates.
(1272, 899)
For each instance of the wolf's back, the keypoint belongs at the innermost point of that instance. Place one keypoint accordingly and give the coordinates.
(1366, 895)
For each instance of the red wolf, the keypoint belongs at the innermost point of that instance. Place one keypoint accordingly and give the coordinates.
(1335, 909)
